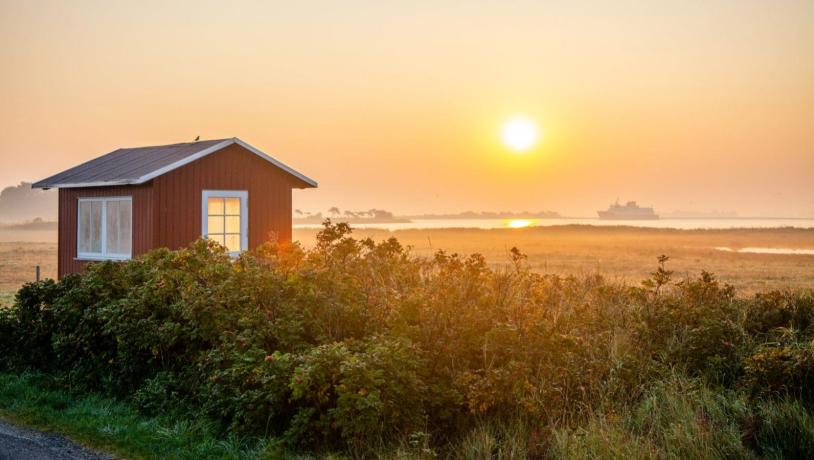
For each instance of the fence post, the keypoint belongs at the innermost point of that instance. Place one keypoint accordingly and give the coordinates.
(38, 273)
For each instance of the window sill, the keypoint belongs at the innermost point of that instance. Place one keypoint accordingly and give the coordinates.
(101, 259)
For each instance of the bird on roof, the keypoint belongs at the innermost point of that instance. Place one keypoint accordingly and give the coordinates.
(197, 138)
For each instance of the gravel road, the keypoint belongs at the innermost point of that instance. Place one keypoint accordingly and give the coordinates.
(17, 443)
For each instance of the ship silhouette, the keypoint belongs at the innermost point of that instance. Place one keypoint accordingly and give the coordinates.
(630, 211)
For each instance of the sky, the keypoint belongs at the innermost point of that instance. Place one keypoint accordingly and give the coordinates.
(683, 105)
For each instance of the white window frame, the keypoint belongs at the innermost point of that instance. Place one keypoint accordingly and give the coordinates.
(102, 255)
(244, 214)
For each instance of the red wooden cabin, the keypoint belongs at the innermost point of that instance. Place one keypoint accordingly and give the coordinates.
(132, 200)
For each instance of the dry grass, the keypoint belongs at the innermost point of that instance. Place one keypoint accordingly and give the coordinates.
(624, 253)
(19, 259)
(628, 253)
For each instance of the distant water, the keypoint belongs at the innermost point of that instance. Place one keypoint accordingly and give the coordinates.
(804, 252)
(686, 224)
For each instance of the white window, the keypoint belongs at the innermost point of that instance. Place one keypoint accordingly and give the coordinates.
(105, 228)
(226, 218)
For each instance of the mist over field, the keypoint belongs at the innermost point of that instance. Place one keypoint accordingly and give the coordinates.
(21, 203)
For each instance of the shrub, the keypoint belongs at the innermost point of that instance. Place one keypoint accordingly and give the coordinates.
(359, 392)
(781, 310)
(697, 327)
(781, 369)
(247, 388)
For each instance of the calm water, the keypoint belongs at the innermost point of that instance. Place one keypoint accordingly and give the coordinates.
(802, 252)
(521, 223)
(50, 236)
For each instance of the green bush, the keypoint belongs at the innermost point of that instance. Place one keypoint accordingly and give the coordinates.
(359, 392)
(781, 310)
(358, 346)
(780, 369)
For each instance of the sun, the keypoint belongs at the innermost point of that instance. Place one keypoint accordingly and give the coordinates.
(519, 134)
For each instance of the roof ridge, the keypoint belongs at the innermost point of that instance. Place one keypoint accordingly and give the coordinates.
(177, 143)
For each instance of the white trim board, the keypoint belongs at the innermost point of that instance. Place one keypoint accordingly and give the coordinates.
(104, 255)
(244, 214)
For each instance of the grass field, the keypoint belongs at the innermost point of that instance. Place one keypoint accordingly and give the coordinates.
(619, 253)
(628, 253)
(18, 263)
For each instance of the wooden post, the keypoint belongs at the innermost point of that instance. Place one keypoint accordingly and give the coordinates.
(38, 273)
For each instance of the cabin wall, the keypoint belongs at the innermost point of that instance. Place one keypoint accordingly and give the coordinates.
(178, 196)
(143, 221)
(167, 210)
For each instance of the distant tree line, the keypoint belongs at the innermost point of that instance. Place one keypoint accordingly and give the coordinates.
(336, 213)
(21, 203)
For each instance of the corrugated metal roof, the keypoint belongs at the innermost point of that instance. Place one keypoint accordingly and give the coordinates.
(140, 164)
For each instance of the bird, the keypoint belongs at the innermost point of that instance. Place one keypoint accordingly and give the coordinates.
(197, 138)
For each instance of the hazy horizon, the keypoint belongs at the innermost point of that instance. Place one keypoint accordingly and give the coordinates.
(683, 106)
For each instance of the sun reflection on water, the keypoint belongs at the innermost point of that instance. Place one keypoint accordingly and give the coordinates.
(519, 223)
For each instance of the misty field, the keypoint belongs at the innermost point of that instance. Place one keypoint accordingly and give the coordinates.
(619, 253)
(626, 253)
(18, 261)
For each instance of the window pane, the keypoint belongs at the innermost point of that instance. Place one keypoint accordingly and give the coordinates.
(112, 218)
(224, 221)
(84, 226)
(214, 224)
(233, 206)
(233, 243)
(119, 218)
(216, 238)
(215, 206)
(96, 226)
(232, 224)
(125, 226)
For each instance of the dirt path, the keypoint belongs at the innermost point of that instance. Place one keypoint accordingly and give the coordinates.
(17, 443)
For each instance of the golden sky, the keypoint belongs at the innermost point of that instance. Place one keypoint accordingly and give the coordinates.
(681, 104)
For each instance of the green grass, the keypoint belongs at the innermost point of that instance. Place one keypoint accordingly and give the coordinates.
(678, 418)
(112, 426)
(681, 418)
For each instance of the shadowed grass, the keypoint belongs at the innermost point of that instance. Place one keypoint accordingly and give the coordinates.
(682, 418)
(113, 426)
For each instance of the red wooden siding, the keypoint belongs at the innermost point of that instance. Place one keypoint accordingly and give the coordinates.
(178, 196)
(143, 217)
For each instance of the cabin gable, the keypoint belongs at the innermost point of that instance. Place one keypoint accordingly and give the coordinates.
(178, 195)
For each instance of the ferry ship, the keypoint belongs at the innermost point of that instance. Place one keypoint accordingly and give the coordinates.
(630, 211)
